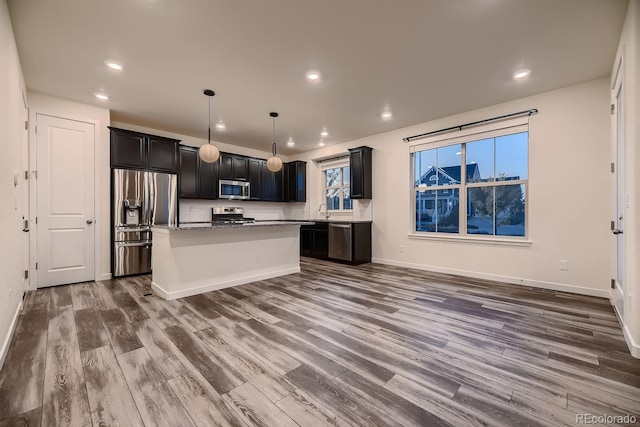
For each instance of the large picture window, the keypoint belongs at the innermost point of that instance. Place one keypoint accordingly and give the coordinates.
(336, 185)
(472, 185)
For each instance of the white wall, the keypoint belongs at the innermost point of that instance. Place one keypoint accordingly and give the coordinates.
(43, 104)
(630, 45)
(13, 146)
(200, 210)
(569, 195)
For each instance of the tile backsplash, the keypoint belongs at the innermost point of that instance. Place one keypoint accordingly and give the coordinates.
(192, 210)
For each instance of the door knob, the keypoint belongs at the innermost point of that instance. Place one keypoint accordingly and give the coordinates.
(89, 221)
(616, 231)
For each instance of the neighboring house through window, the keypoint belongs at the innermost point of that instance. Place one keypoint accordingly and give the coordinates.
(474, 184)
(336, 184)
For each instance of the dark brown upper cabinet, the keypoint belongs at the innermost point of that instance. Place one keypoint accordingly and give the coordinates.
(197, 179)
(240, 168)
(128, 149)
(360, 172)
(188, 179)
(207, 179)
(135, 150)
(295, 181)
(234, 167)
(163, 154)
(255, 178)
(272, 184)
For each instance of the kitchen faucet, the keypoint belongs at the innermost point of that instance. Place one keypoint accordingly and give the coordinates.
(326, 210)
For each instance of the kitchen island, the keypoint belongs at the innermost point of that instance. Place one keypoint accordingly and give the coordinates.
(201, 257)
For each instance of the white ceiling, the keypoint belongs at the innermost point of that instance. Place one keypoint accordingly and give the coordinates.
(423, 59)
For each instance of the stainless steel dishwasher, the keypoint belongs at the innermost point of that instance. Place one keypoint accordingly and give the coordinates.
(340, 242)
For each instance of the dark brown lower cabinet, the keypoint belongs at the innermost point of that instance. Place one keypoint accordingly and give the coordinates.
(314, 240)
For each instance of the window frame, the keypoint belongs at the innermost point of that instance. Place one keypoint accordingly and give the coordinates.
(463, 137)
(338, 163)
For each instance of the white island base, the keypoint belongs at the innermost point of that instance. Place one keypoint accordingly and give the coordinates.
(192, 261)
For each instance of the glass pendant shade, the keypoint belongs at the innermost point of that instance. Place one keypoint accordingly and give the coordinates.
(209, 153)
(274, 163)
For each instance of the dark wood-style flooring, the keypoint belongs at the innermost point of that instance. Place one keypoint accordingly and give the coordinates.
(333, 345)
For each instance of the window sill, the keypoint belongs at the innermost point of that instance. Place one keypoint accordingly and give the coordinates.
(472, 239)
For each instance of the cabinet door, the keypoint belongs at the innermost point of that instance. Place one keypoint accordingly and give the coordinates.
(320, 247)
(240, 168)
(360, 172)
(128, 150)
(255, 178)
(162, 154)
(188, 172)
(295, 181)
(306, 240)
(268, 183)
(207, 179)
(226, 166)
(279, 186)
(289, 182)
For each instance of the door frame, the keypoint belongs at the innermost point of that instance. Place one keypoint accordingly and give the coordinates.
(53, 111)
(25, 202)
(618, 86)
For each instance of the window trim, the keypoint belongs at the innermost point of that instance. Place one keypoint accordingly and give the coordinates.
(503, 128)
(335, 163)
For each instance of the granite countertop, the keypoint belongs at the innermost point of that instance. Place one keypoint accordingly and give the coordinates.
(210, 225)
(338, 221)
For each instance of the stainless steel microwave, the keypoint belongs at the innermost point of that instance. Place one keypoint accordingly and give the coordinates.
(234, 190)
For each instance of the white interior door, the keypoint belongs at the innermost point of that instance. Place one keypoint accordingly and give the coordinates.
(65, 201)
(620, 195)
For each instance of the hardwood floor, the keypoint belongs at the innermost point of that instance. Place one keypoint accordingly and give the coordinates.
(333, 345)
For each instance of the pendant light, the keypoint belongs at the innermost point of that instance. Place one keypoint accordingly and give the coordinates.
(274, 163)
(209, 152)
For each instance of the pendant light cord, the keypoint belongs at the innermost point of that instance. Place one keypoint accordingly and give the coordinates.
(209, 120)
(273, 147)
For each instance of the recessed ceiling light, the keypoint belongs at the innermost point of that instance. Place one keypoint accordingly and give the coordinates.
(220, 125)
(386, 115)
(101, 96)
(114, 65)
(324, 133)
(290, 142)
(521, 74)
(321, 144)
(313, 76)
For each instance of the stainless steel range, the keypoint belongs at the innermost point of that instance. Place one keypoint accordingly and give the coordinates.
(229, 215)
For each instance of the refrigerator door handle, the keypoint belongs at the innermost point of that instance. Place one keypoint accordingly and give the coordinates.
(150, 197)
(135, 244)
(132, 230)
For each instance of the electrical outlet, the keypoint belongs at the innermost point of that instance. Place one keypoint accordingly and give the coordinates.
(564, 265)
(401, 249)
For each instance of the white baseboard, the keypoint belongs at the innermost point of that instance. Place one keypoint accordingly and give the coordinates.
(504, 279)
(104, 276)
(634, 347)
(220, 285)
(7, 340)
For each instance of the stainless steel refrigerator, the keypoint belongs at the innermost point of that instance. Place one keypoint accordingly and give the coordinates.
(140, 200)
